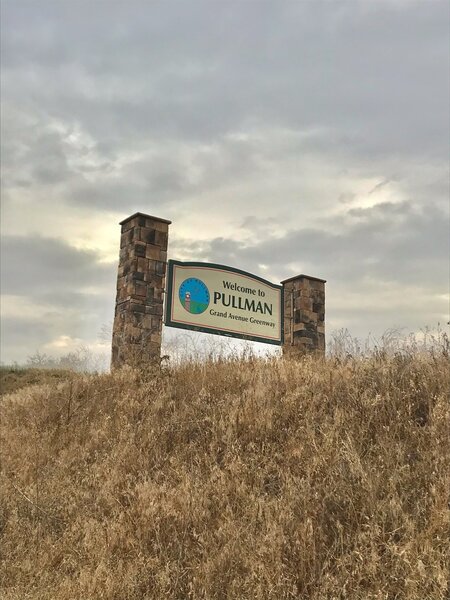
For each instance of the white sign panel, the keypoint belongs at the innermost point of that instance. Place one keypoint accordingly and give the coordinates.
(222, 300)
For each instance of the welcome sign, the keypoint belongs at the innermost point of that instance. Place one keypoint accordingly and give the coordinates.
(225, 301)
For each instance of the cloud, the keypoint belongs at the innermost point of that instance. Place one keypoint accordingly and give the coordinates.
(38, 265)
(392, 242)
(280, 138)
(159, 71)
(51, 290)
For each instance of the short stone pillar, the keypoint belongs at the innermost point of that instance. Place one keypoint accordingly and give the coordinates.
(137, 330)
(304, 314)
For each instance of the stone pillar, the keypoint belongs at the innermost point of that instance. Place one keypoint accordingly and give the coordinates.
(137, 329)
(304, 314)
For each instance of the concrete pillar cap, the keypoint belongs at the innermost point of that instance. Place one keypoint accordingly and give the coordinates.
(139, 214)
(304, 277)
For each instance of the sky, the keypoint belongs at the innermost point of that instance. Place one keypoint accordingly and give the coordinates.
(278, 137)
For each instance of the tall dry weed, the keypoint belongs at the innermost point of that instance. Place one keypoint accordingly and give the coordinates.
(238, 479)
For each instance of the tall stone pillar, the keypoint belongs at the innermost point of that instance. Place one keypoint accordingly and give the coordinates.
(304, 314)
(137, 329)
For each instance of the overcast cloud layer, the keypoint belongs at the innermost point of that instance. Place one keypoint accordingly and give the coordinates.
(279, 137)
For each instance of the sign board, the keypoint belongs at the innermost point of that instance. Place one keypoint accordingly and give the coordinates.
(225, 301)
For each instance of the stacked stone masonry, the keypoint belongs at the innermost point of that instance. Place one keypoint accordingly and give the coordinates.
(304, 314)
(141, 275)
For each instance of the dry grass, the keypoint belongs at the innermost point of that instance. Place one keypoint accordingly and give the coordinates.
(13, 379)
(317, 479)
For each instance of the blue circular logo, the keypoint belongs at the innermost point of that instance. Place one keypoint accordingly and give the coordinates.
(194, 295)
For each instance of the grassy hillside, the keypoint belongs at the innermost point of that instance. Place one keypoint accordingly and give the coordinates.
(15, 378)
(318, 479)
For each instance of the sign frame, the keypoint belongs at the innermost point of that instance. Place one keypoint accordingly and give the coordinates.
(169, 294)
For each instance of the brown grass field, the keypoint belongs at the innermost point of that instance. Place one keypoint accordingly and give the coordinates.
(15, 378)
(234, 479)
